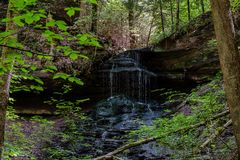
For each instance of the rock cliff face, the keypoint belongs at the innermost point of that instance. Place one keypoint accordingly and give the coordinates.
(188, 64)
(185, 58)
(189, 55)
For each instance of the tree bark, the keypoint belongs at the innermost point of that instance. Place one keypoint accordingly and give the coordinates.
(5, 78)
(162, 18)
(202, 5)
(189, 10)
(131, 27)
(82, 12)
(131, 7)
(229, 60)
(171, 10)
(150, 30)
(94, 18)
(178, 15)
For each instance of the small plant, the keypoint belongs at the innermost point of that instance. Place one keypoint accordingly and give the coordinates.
(212, 43)
(69, 140)
(25, 138)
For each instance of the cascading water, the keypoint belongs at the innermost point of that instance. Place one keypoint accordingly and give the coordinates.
(127, 76)
(127, 105)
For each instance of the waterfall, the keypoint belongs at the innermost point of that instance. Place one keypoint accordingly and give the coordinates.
(111, 80)
(127, 76)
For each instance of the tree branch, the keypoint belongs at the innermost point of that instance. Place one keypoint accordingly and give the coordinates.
(33, 52)
(217, 133)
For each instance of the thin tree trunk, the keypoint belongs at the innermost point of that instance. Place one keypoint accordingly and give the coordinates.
(150, 30)
(94, 18)
(178, 15)
(84, 25)
(131, 27)
(189, 10)
(82, 7)
(5, 78)
(202, 5)
(171, 9)
(162, 18)
(215, 135)
(229, 60)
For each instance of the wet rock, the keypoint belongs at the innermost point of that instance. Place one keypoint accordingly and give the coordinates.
(125, 74)
(150, 151)
(116, 116)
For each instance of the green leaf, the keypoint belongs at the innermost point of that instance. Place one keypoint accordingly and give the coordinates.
(50, 23)
(70, 12)
(83, 56)
(6, 33)
(79, 82)
(33, 68)
(74, 56)
(61, 75)
(38, 80)
(92, 1)
(37, 88)
(83, 39)
(51, 69)
(29, 54)
(61, 25)
(95, 44)
(24, 70)
(76, 80)
(49, 35)
(18, 21)
(19, 4)
(28, 18)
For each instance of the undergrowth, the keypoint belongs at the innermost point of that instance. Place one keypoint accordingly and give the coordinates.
(39, 138)
(204, 102)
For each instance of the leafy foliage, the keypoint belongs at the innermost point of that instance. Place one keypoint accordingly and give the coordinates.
(71, 11)
(205, 102)
(67, 143)
(26, 138)
(21, 141)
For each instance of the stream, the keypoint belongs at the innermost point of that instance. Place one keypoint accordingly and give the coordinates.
(128, 106)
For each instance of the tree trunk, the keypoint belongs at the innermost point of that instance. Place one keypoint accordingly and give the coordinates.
(229, 60)
(202, 5)
(171, 9)
(178, 15)
(82, 8)
(6, 62)
(150, 30)
(84, 24)
(162, 18)
(94, 18)
(131, 27)
(189, 10)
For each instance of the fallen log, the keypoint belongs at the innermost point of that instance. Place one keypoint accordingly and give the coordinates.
(217, 133)
(110, 155)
